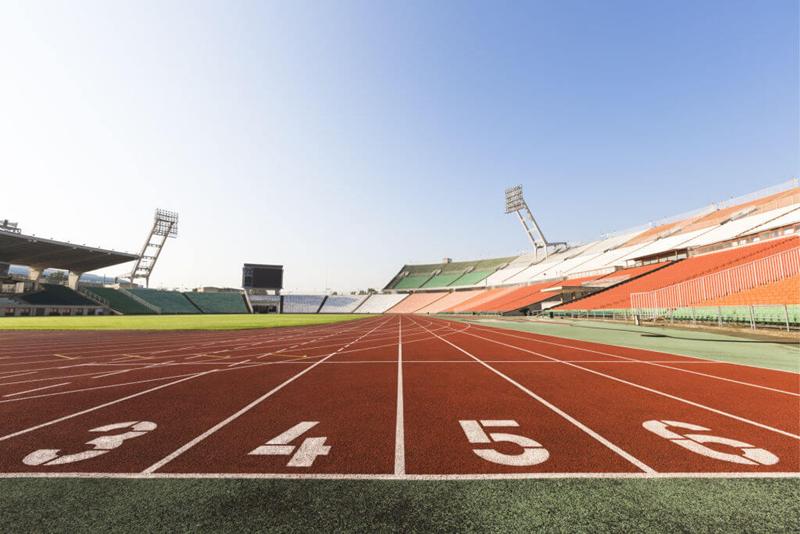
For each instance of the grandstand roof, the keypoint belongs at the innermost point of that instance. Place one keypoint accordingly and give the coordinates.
(35, 251)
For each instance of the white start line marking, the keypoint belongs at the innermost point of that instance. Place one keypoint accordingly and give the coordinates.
(532, 451)
(306, 453)
(750, 454)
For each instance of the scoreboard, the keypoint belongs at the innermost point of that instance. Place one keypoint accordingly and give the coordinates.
(260, 276)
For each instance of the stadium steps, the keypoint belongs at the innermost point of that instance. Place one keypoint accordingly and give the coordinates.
(342, 303)
(417, 301)
(170, 302)
(118, 301)
(217, 302)
(140, 300)
(56, 295)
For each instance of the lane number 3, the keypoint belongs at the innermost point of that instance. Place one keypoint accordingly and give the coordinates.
(100, 445)
(532, 451)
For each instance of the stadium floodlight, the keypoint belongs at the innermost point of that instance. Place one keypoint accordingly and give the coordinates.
(165, 225)
(515, 203)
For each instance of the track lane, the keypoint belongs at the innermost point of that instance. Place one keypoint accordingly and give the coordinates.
(619, 411)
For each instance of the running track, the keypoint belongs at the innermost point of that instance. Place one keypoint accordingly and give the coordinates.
(383, 397)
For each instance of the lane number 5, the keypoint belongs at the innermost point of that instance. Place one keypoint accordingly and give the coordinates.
(532, 452)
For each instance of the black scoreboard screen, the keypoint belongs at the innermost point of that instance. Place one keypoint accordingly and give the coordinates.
(258, 276)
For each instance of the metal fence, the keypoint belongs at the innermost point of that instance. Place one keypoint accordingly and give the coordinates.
(778, 316)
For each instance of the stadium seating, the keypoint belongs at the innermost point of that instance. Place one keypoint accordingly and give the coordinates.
(452, 300)
(118, 301)
(56, 295)
(302, 303)
(170, 302)
(786, 291)
(379, 303)
(342, 303)
(446, 274)
(223, 302)
(618, 297)
(417, 301)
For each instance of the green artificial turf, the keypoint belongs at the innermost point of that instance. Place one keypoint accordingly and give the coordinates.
(173, 322)
(566, 505)
(779, 353)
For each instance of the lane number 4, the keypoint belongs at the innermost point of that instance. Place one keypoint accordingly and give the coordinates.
(532, 452)
(306, 453)
(750, 455)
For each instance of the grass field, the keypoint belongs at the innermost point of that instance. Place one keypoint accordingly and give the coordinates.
(172, 322)
(667, 505)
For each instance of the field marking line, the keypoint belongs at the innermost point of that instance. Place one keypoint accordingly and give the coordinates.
(15, 376)
(37, 389)
(120, 384)
(608, 444)
(65, 357)
(234, 364)
(750, 384)
(101, 406)
(648, 389)
(388, 476)
(399, 431)
(648, 350)
(170, 457)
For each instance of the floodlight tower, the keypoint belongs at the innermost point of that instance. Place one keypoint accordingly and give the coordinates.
(515, 203)
(165, 225)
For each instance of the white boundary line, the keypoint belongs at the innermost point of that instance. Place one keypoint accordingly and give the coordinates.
(477, 322)
(399, 433)
(648, 389)
(104, 405)
(37, 389)
(615, 448)
(715, 377)
(407, 477)
(170, 457)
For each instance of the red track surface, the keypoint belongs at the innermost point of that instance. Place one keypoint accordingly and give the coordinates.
(390, 396)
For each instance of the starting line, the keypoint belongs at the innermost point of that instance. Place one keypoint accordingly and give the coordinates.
(389, 476)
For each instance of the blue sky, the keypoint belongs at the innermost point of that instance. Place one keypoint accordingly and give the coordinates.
(344, 139)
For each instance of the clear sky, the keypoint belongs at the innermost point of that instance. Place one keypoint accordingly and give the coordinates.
(344, 139)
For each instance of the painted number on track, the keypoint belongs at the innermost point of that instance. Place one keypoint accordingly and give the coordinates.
(306, 453)
(750, 455)
(532, 452)
(101, 445)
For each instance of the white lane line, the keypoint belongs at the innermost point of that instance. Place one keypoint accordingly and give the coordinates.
(655, 363)
(164, 461)
(648, 389)
(615, 448)
(16, 375)
(37, 389)
(101, 406)
(399, 431)
(740, 364)
(353, 476)
(63, 356)
(234, 364)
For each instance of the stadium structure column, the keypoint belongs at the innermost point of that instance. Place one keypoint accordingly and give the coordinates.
(35, 274)
(72, 279)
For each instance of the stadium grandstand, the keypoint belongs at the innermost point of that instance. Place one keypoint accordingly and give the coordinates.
(735, 261)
